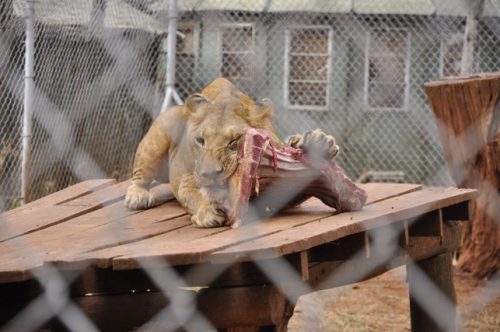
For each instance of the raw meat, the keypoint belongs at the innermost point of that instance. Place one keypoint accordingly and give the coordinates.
(277, 179)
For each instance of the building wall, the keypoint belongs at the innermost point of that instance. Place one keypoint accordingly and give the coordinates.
(403, 140)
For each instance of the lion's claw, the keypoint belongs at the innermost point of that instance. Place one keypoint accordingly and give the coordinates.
(209, 215)
(315, 142)
(139, 198)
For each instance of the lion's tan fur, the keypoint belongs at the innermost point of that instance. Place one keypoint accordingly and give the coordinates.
(171, 150)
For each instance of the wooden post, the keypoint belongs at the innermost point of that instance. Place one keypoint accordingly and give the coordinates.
(468, 113)
(440, 272)
(475, 8)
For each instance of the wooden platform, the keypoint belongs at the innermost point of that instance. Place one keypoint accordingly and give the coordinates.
(86, 228)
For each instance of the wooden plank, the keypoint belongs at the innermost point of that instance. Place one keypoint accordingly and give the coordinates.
(106, 227)
(332, 228)
(74, 191)
(28, 221)
(376, 192)
(188, 250)
(182, 232)
(381, 191)
(102, 234)
(93, 209)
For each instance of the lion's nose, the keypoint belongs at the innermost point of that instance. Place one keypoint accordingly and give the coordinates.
(211, 174)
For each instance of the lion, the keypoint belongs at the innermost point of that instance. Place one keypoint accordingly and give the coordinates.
(194, 148)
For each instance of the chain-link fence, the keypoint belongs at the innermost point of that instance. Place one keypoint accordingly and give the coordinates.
(353, 68)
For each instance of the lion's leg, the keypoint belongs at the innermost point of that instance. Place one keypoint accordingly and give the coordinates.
(149, 156)
(205, 209)
(315, 142)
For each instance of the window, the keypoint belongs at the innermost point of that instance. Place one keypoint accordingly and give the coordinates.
(387, 67)
(238, 54)
(186, 52)
(451, 54)
(307, 67)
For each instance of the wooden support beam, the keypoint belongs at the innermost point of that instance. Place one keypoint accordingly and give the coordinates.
(354, 268)
(367, 244)
(304, 265)
(243, 306)
(224, 307)
(439, 271)
(121, 312)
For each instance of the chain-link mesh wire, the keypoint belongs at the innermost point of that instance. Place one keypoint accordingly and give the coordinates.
(353, 68)
(355, 72)
(10, 105)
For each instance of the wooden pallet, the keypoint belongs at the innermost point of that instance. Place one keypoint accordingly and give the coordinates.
(86, 228)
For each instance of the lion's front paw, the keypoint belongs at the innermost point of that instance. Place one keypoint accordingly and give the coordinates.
(139, 198)
(209, 215)
(315, 142)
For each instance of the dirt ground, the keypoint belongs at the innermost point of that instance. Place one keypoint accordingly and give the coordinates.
(382, 304)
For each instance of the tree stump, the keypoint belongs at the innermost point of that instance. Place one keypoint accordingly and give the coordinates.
(467, 111)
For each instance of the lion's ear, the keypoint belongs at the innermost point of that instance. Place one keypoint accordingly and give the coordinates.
(260, 112)
(194, 101)
(266, 103)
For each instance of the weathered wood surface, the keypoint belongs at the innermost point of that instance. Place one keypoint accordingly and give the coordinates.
(467, 111)
(93, 227)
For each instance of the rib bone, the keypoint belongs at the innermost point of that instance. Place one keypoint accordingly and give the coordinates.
(284, 178)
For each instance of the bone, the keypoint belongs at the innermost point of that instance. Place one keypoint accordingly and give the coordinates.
(270, 176)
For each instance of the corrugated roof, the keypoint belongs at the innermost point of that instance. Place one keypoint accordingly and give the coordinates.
(58, 12)
(459, 7)
(118, 14)
(414, 7)
(121, 13)
(320, 6)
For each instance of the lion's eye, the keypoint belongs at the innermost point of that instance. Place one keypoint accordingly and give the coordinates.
(200, 141)
(233, 143)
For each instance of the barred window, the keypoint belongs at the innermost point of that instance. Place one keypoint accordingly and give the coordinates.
(386, 69)
(186, 53)
(307, 67)
(237, 52)
(451, 54)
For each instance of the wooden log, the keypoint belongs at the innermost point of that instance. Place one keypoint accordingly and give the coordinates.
(468, 113)
(229, 307)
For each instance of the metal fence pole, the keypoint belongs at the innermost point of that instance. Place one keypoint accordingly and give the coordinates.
(170, 93)
(28, 100)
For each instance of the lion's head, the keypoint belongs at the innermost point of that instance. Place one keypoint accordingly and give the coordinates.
(214, 128)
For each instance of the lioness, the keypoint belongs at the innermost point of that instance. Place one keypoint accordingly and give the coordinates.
(194, 147)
